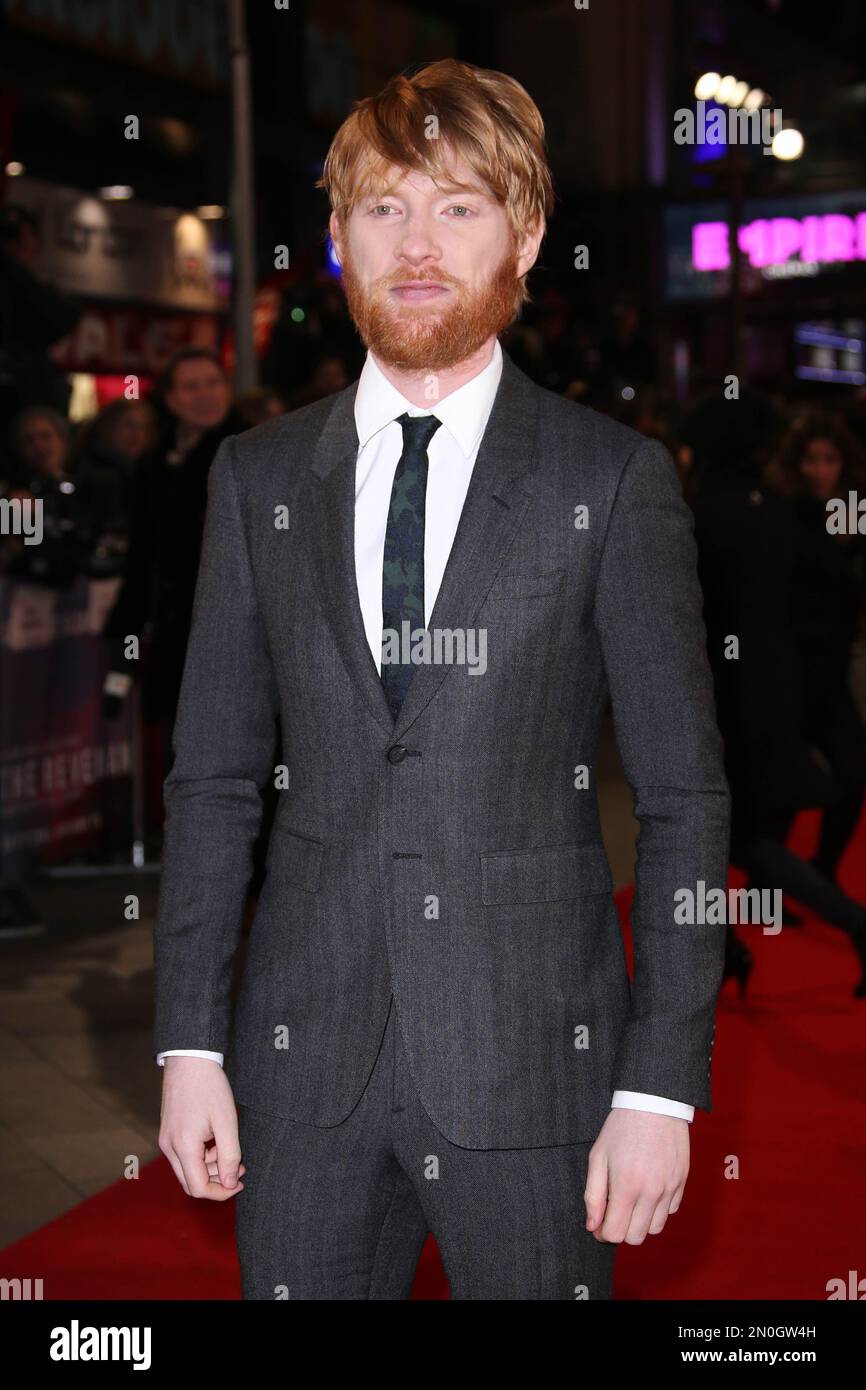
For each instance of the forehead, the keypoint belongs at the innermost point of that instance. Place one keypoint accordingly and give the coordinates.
(193, 367)
(457, 177)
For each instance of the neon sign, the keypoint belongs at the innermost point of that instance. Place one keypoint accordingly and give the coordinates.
(775, 241)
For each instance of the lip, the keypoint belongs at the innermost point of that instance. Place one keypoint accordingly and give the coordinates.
(416, 291)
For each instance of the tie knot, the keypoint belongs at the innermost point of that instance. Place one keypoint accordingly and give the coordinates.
(418, 430)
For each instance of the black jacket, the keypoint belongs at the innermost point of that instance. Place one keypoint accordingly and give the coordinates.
(166, 521)
(748, 541)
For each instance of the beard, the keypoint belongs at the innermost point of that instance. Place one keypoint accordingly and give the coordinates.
(441, 333)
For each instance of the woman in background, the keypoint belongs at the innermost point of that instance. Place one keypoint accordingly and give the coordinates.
(820, 459)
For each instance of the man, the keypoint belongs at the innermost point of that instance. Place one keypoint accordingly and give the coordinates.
(167, 509)
(435, 1029)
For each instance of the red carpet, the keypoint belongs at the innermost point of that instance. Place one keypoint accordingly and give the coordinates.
(789, 1113)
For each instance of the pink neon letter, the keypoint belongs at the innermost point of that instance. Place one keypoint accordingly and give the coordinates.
(838, 237)
(710, 246)
(785, 239)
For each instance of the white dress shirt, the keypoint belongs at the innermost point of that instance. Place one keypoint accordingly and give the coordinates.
(451, 453)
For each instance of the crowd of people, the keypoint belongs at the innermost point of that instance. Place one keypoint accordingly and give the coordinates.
(124, 495)
(783, 606)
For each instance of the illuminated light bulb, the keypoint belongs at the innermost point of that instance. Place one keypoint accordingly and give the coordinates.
(787, 143)
(755, 98)
(706, 86)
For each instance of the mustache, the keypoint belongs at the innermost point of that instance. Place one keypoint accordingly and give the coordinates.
(388, 282)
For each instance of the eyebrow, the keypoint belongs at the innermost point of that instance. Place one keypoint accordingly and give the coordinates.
(444, 190)
(461, 188)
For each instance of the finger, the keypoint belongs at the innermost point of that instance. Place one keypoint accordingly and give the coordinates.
(677, 1198)
(595, 1192)
(618, 1215)
(217, 1193)
(213, 1170)
(660, 1215)
(177, 1169)
(228, 1148)
(210, 1157)
(641, 1218)
(191, 1156)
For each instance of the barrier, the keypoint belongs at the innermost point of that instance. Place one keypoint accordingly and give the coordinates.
(66, 773)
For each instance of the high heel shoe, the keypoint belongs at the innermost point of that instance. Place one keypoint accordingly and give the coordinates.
(738, 960)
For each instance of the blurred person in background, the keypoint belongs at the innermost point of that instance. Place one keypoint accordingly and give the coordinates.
(329, 375)
(106, 456)
(40, 471)
(41, 440)
(820, 459)
(747, 540)
(627, 355)
(525, 346)
(168, 501)
(262, 403)
(33, 317)
(313, 327)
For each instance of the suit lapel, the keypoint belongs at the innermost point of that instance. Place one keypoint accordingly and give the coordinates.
(332, 535)
(493, 512)
(494, 509)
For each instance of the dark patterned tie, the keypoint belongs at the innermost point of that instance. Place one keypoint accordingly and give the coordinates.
(403, 567)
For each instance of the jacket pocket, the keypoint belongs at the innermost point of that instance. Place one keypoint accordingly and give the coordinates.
(529, 584)
(296, 857)
(544, 875)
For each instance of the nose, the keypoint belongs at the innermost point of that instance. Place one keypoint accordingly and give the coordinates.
(418, 243)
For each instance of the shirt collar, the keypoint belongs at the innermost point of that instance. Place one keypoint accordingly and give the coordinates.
(463, 412)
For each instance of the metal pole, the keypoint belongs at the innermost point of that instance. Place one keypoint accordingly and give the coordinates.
(242, 201)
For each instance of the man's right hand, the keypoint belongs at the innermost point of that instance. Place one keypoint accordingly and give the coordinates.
(198, 1131)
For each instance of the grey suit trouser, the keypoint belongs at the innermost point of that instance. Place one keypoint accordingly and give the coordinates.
(343, 1212)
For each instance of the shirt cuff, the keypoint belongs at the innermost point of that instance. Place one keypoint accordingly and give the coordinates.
(188, 1052)
(660, 1105)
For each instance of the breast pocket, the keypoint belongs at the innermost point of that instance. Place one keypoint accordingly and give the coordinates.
(296, 857)
(550, 874)
(533, 583)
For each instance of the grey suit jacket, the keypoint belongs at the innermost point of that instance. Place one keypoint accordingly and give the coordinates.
(454, 858)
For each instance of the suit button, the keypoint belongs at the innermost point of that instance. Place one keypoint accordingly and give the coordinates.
(397, 752)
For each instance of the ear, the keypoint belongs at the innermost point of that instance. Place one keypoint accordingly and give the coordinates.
(335, 228)
(528, 247)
